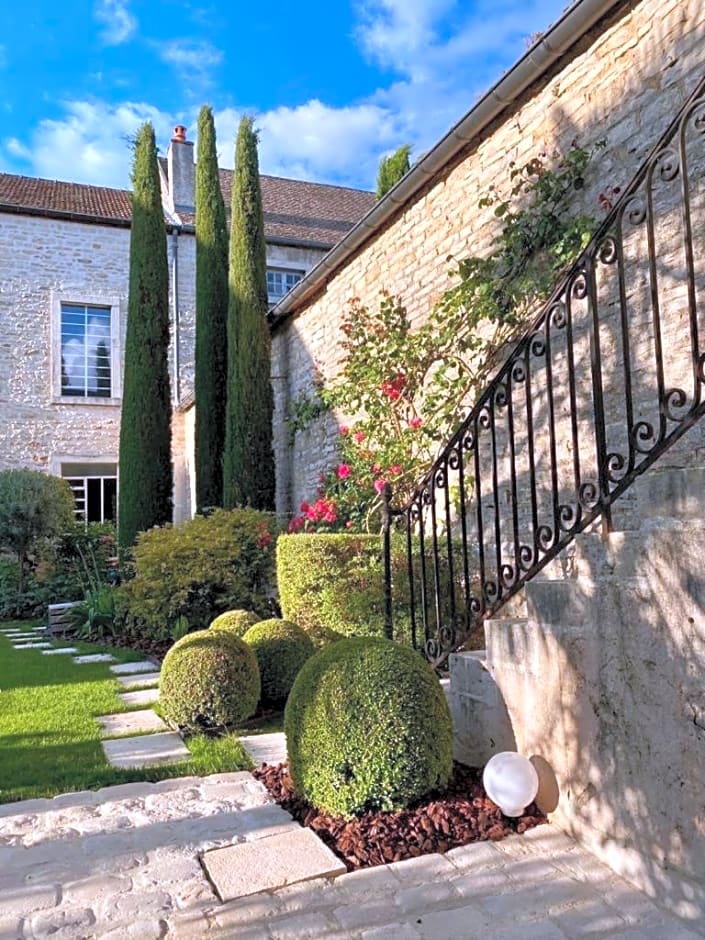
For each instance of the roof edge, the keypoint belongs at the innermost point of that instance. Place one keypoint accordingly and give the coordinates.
(574, 23)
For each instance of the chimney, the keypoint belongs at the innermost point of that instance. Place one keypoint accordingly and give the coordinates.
(180, 169)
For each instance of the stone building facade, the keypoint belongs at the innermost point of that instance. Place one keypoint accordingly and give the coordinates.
(609, 70)
(64, 262)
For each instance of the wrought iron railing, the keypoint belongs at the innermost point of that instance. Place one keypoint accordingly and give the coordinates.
(609, 376)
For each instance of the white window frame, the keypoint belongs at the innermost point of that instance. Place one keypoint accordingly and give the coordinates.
(87, 299)
(283, 268)
(59, 462)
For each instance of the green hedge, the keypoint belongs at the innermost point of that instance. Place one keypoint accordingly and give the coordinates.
(335, 582)
(190, 573)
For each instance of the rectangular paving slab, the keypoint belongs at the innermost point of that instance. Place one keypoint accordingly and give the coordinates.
(94, 658)
(59, 652)
(131, 723)
(265, 748)
(265, 864)
(127, 669)
(141, 697)
(145, 678)
(165, 748)
(32, 646)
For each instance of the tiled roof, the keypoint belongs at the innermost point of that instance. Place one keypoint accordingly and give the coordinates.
(295, 211)
(50, 197)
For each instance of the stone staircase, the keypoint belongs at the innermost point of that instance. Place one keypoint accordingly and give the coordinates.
(598, 675)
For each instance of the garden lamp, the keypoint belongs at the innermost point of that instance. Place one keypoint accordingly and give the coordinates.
(511, 782)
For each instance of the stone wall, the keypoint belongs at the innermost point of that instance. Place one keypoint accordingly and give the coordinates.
(624, 82)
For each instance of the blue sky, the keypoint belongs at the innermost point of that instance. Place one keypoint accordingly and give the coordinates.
(333, 85)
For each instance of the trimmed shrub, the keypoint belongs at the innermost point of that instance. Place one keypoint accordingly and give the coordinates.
(236, 621)
(335, 582)
(197, 570)
(367, 728)
(281, 649)
(209, 681)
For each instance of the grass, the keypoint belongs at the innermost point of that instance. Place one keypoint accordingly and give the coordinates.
(49, 739)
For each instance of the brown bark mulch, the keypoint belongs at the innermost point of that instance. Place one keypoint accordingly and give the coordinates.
(462, 813)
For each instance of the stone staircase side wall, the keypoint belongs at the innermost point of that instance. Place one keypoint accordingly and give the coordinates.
(605, 682)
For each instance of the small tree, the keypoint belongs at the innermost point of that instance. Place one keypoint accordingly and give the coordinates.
(248, 460)
(146, 481)
(33, 506)
(211, 318)
(392, 168)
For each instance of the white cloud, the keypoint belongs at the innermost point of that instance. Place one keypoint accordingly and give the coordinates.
(192, 59)
(119, 24)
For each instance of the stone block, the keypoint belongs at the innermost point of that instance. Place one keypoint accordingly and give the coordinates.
(265, 864)
(147, 750)
(64, 651)
(141, 697)
(265, 748)
(128, 669)
(93, 658)
(130, 723)
(481, 722)
(144, 678)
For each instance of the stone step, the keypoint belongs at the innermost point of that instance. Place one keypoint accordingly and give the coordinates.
(141, 679)
(126, 723)
(141, 697)
(146, 750)
(93, 658)
(265, 748)
(127, 669)
(238, 871)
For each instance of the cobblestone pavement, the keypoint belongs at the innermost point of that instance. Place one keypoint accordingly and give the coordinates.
(124, 863)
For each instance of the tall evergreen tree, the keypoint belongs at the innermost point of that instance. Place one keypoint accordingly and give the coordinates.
(248, 460)
(392, 168)
(211, 318)
(145, 471)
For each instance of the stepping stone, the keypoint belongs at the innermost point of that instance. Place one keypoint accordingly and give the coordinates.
(131, 682)
(44, 647)
(143, 697)
(131, 723)
(265, 748)
(94, 658)
(127, 669)
(166, 748)
(59, 652)
(23, 636)
(267, 864)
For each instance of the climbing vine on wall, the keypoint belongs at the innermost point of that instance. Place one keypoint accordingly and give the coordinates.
(409, 388)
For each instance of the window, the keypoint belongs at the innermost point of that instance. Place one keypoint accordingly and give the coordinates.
(86, 351)
(279, 281)
(94, 488)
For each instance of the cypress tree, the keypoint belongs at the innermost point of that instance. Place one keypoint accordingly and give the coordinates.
(211, 318)
(145, 471)
(392, 168)
(248, 460)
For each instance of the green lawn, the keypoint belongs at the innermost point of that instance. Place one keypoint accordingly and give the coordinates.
(49, 739)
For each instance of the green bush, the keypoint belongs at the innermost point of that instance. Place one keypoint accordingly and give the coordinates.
(335, 582)
(237, 621)
(281, 649)
(209, 682)
(196, 570)
(367, 728)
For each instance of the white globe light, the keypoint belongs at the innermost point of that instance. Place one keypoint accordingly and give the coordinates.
(511, 782)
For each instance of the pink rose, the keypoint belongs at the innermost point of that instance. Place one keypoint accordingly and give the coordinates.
(343, 471)
(379, 485)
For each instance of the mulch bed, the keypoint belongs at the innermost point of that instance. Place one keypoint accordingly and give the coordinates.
(461, 814)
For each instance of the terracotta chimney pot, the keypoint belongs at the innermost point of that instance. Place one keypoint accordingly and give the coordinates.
(179, 134)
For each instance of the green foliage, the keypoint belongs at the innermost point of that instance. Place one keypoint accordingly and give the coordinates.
(209, 682)
(248, 459)
(197, 570)
(33, 506)
(145, 493)
(332, 585)
(238, 621)
(367, 728)
(95, 616)
(210, 380)
(392, 169)
(418, 384)
(281, 649)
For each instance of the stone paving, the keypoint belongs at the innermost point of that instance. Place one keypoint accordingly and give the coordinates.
(124, 862)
